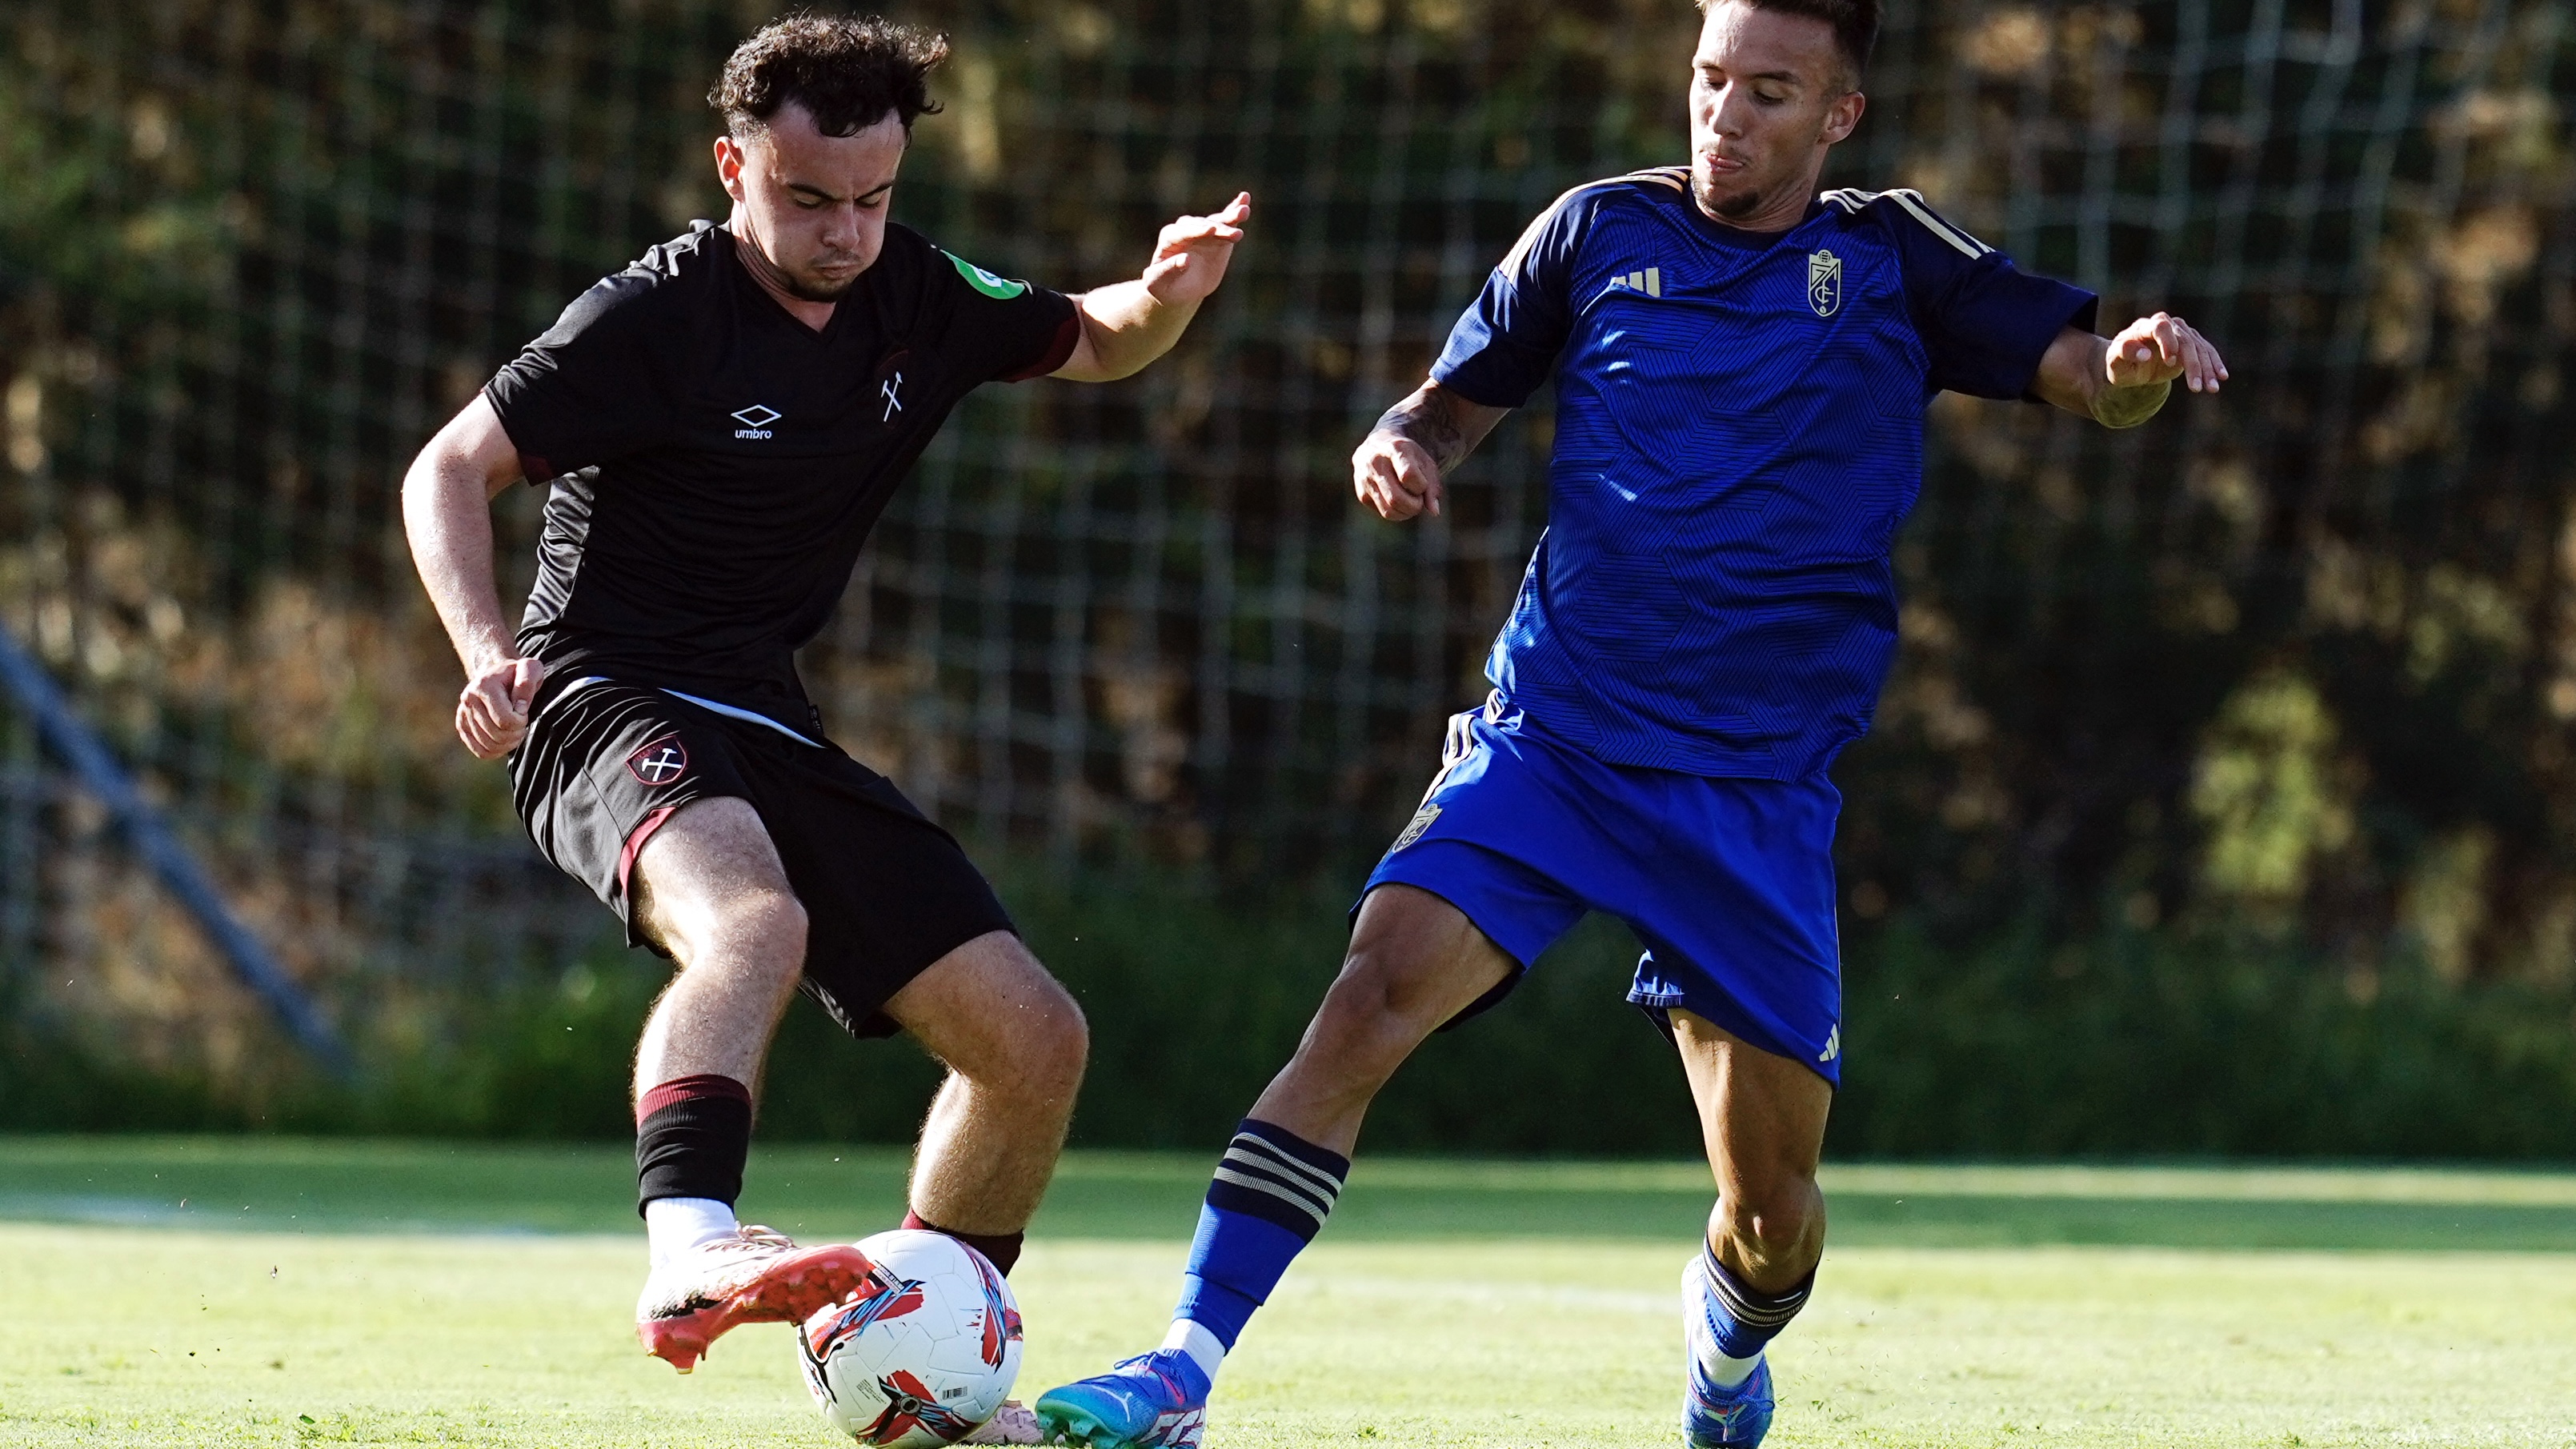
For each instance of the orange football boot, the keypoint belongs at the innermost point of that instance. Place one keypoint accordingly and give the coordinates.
(755, 1276)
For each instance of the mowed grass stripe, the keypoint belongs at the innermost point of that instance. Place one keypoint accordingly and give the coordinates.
(271, 1184)
(134, 1337)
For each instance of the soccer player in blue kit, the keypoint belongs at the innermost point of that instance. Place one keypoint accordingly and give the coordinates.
(1742, 368)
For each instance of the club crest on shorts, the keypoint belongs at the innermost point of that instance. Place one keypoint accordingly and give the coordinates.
(1422, 819)
(659, 762)
(1824, 283)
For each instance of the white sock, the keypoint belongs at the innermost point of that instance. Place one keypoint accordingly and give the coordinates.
(1202, 1346)
(1722, 1371)
(1726, 1372)
(674, 1225)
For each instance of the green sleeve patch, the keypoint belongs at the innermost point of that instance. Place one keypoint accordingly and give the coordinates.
(997, 288)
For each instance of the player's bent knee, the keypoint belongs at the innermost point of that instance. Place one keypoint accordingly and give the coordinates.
(1368, 989)
(757, 930)
(1050, 1044)
(1412, 965)
(995, 1016)
(775, 914)
(1068, 1052)
(1377, 998)
(1782, 1219)
(1365, 1029)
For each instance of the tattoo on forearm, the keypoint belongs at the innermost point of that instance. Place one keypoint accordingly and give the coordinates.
(1428, 420)
(2126, 407)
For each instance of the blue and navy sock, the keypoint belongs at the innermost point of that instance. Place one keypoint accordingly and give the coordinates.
(1728, 1322)
(1270, 1197)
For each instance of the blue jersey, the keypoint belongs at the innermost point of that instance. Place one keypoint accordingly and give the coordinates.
(1739, 433)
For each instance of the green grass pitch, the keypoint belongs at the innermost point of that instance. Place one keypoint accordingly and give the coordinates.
(200, 1292)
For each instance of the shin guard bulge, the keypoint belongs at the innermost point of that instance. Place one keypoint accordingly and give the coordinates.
(692, 1137)
(1270, 1197)
(1729, 1323)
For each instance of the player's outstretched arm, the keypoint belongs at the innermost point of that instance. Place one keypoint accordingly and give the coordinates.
(1127, 326)
(1401, 465)
(2122, 381)
(447, 512)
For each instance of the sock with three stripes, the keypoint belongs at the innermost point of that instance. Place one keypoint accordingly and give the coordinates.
(1270, 1197)
(1727, 1323)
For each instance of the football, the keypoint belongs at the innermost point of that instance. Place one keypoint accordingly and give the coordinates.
(923, 1353)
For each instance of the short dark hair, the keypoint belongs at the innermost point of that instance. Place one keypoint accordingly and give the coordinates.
(849, 72)
(1855, 23)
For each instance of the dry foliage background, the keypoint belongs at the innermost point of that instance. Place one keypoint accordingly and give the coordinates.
(2292, 668)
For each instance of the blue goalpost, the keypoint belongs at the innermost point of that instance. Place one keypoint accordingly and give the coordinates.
(150, 837)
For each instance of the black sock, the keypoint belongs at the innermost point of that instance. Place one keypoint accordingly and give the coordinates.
(1002, 1248)
(692, 1137)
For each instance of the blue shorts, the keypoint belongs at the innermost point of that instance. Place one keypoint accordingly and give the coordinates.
(1728, 882)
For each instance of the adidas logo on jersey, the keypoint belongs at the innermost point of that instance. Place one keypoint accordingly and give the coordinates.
(1833, 1044)
(1650, 281)
(755, 421)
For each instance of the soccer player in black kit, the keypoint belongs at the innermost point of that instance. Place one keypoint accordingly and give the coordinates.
(719, 425)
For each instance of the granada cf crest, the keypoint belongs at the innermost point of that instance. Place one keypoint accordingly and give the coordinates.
(1824, 283)
(660, 762)
(1421, 822)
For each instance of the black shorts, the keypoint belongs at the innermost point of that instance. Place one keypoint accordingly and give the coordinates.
(886, 893)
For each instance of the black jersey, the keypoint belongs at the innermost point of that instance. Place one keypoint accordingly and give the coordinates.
(716, 464)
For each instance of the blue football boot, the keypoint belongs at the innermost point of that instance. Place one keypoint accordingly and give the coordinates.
(1736, 1418)
(1155, 1400)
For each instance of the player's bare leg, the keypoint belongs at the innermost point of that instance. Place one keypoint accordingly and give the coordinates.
(1414, 962)
(711, 891)
(1014, 1044)
(1762, 1117)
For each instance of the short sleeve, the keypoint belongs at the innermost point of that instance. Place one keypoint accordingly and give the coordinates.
(590, 389)
(1503, 346)
(1003, 330)
(1985, 323)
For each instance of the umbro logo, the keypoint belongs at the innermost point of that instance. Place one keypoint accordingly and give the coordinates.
(755, 421)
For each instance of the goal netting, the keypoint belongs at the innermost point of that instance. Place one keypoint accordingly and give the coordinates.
(251, 255)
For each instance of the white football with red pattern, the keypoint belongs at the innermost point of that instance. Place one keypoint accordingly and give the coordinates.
(922, 1354)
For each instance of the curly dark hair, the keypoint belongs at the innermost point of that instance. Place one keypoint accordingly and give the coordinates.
(848, 72)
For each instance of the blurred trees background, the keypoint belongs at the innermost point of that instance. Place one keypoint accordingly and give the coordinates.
(2222, 798)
